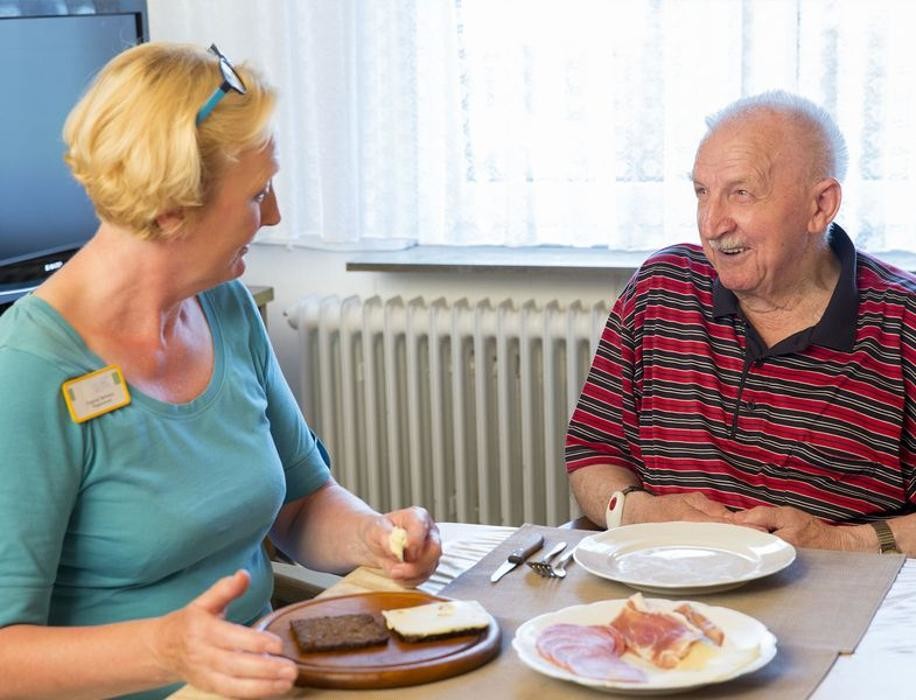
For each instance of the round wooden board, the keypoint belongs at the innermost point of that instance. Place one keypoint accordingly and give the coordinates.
(396, 664)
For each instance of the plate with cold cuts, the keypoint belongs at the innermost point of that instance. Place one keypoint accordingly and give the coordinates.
(644, 645)
(683, 558)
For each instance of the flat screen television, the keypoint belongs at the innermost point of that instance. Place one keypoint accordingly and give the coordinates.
(49, 50)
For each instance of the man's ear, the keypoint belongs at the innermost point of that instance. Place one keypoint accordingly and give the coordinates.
(827, 195)
(170, 222)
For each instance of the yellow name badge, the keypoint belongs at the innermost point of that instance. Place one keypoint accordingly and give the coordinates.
(96, 393)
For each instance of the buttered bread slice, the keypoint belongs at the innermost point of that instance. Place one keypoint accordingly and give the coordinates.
(437, 620)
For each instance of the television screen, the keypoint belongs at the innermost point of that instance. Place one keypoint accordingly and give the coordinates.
(48, 63)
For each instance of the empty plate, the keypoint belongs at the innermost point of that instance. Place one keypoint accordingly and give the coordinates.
(683, 557)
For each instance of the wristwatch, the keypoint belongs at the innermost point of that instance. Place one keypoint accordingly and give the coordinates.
(886, 542)
(614, 512)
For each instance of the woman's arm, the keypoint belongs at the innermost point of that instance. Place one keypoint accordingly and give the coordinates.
(193, 644)
(333, 530)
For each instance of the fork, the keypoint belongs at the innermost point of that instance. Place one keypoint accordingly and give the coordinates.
(559, 569)
(542, 565)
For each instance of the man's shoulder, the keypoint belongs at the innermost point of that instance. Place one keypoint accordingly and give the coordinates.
(874, 276)
(681, 262)
(679, 254)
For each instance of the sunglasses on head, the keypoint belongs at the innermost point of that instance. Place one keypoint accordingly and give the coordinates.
(231, 81)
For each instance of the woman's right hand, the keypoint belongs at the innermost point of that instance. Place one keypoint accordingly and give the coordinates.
(196, 644)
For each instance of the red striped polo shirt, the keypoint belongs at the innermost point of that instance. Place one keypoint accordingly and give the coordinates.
(683, 392)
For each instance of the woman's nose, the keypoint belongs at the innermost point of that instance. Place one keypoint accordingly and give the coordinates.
(270, 209)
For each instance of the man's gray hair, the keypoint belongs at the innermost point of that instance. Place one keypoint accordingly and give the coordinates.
(827, 135)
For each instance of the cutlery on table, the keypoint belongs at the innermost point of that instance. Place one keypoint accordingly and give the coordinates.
(558, 570)
(542, 565)
(517, 556)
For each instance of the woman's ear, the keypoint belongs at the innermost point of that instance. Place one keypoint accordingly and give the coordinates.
(827, 197)
(170, 222)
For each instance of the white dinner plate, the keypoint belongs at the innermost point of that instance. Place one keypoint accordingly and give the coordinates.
(682, 557)
(748, 645)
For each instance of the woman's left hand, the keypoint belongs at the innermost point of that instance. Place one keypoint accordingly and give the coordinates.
(421, 553)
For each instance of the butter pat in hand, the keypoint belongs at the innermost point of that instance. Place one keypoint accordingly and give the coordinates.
(397, 540)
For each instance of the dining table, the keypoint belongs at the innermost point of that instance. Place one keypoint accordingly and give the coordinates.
(842, 621)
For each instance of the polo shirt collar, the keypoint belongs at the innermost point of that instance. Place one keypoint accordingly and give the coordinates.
(837, 327)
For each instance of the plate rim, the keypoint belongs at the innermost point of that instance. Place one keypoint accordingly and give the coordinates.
(790, 554)
(768, 647)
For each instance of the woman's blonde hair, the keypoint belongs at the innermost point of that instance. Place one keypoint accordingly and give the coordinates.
(133, 142)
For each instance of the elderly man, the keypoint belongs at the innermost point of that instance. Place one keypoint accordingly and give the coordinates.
(769, 378)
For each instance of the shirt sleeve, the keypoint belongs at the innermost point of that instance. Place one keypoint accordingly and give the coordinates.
(908, 441)
(306, 463)
(604, 427)
(305, 459)
(41, 467)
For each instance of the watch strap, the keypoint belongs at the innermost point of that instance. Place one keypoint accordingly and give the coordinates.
(631, 489)
(886, 541)
(614, 512)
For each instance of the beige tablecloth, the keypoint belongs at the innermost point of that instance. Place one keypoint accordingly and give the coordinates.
(818, 607)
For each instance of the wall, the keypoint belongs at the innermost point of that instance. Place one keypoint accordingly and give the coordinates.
(294, 272)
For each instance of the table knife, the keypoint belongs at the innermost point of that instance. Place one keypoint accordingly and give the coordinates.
(517, 556)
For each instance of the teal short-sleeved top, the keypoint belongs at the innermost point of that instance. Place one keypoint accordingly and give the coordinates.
(136, 512)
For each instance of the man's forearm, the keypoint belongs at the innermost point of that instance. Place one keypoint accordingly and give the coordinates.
(593, 486)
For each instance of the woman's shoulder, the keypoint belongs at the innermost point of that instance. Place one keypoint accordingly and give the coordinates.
(34, 335)
(231, 297)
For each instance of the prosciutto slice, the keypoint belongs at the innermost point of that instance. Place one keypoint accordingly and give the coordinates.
(590, 651)
(713, 632)
(661, 638)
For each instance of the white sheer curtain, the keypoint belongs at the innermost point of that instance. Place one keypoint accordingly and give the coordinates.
(557, 122)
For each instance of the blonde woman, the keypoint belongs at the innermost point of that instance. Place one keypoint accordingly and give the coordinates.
(150, 441)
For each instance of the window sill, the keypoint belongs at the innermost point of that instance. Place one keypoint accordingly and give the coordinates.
(495, 258)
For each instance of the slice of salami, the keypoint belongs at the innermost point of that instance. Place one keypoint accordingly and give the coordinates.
(590, 651)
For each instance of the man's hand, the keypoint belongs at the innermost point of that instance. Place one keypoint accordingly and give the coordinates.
(421, 553)
(641, 507)
(804, 530)
(197, 645)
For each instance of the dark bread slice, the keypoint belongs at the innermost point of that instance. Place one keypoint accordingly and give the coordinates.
(339, 632)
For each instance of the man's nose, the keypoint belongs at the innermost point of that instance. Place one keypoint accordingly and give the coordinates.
(714, 219)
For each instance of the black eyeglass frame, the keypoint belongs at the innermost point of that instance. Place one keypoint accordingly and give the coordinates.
(231, 81)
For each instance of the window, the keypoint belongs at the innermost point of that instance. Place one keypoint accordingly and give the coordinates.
(532, 122)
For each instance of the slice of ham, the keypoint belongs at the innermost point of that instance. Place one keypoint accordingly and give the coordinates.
(590, 651)
(709, 628)
(661, 638)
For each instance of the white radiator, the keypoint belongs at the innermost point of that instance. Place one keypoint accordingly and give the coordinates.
(460, 407)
